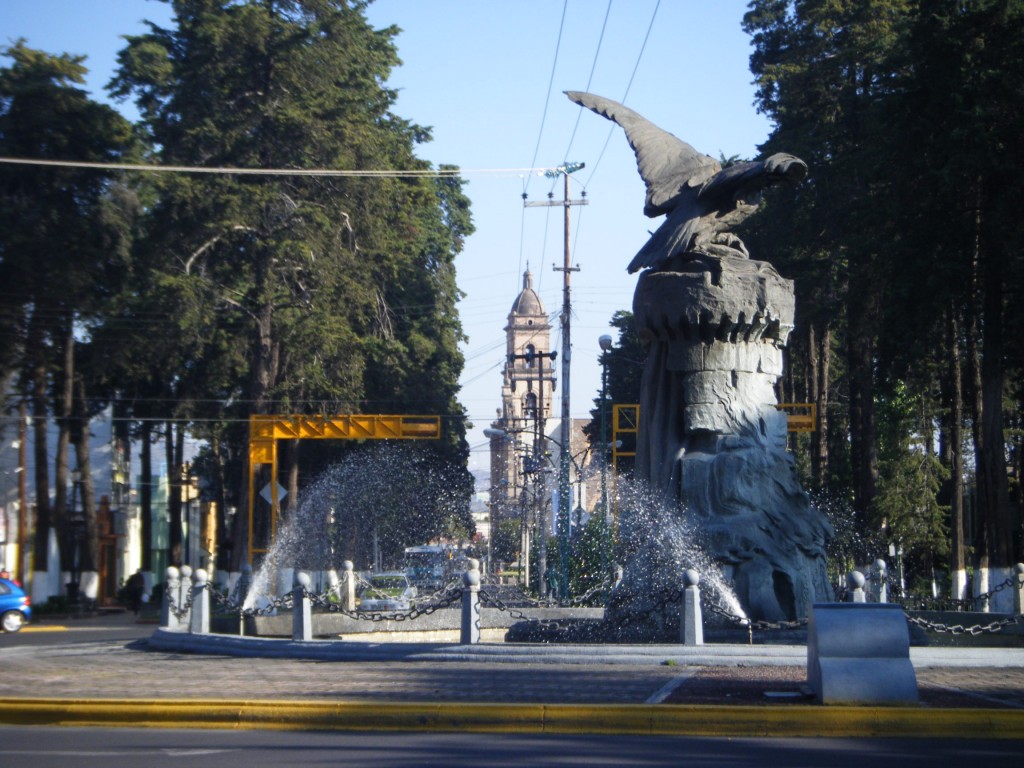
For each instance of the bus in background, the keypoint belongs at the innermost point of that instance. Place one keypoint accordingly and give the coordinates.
(431, 567)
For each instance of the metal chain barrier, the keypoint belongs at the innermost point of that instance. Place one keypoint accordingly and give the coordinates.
(223, 603)
(445, 599)
(577, 602)
(911, 601)
(236, 596)
(492, 600)
(181, 613)
(753, 624)
(440, 594)
(662, 600)
(960, 629)
(227, 604)
(926, 602)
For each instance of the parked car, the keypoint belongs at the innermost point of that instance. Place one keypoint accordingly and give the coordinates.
(385, 592)
(15, 606)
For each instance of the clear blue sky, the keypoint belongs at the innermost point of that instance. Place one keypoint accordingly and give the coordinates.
(478, 72)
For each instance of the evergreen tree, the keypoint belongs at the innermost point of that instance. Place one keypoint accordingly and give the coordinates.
(336, 291)
(64, 250)
(903, 245)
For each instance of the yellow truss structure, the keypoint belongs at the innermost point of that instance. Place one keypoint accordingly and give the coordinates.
(266, 430)
(800, 417)
(625, 425)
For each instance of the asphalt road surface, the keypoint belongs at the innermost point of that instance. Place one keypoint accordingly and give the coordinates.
(157, 748)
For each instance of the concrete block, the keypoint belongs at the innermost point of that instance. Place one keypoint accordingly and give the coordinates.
(748, 357)
(708, 387)
(770, 361)
(709, 417)
(686, 356)
(859, 654)
(719, 356)
(754, 387)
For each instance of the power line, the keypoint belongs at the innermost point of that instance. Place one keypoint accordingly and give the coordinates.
(593, 66)
(328, 172)
(551, 81)
(611, 129)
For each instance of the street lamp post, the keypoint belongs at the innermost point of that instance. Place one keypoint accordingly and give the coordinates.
(605, 341)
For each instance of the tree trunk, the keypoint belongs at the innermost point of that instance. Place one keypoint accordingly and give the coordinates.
(291, 452)
(860, 350)
(64, 399)
(146, 495)
(812, 378)
(173, 497)
(993, 487)
(820, 456)
(980, 530)
(953, 454)
(40, 418)
(224, 543)
(264, 374)
(90, 547)
(179, 494)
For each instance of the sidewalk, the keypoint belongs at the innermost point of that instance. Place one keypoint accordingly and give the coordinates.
(753, 690)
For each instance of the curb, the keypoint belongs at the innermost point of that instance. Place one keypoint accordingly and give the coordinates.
(607, 719)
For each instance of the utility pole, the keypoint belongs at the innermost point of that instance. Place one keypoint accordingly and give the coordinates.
(564, 503)
(22, 563)
(532, 466)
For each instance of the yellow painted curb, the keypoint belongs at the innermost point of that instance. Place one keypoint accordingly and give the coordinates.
(658, 719)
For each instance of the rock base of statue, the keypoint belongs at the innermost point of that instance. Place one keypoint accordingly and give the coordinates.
(712, 441)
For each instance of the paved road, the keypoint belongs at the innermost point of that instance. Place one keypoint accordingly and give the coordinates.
(128, 748)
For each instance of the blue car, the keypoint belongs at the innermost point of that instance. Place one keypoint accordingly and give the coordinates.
(15, 606)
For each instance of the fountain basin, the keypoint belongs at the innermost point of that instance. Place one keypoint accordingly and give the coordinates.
(442, 625)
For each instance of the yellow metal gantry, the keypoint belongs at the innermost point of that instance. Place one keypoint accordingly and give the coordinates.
(800, 417)
(266, 430)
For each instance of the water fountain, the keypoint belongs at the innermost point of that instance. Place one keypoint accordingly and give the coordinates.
(379, 499)
(716, 488)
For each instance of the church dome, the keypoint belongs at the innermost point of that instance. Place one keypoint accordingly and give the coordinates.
(528, 302)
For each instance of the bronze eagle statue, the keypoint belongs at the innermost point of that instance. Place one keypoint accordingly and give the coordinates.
(702, 200)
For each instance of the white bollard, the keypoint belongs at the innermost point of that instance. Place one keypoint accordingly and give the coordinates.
(856, 583)
(240, 592)
(199, 621)
(348, 599)
(168, 606)
(470, 634)
(691, 622)
(1018, 589)
(879, 589)
(302, 612)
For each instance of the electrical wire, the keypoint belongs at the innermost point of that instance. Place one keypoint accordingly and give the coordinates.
(590, 79)
(551, 82)
(636, 66)
(329, 172)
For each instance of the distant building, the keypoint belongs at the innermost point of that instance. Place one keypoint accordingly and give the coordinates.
(525, 441)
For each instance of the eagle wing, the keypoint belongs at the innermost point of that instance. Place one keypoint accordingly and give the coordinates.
(670, 167)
